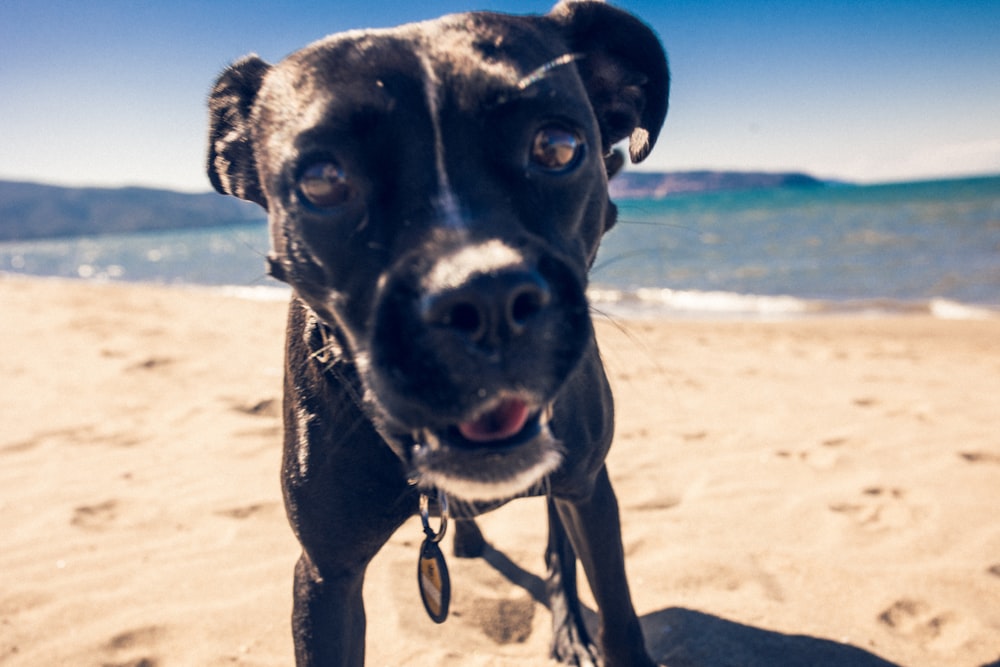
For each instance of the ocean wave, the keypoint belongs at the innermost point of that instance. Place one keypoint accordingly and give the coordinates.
(649, 302)
(945, 309)
(664, 302)
(256, 292)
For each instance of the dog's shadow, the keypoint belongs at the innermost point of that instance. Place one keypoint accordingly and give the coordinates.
(687, 638)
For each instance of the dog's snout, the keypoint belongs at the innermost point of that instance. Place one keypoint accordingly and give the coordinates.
(490, 308)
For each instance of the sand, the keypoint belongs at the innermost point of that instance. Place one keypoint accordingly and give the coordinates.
(813, 492)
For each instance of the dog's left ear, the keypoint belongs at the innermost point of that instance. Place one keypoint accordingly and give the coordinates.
(624, 69)
(232, 168)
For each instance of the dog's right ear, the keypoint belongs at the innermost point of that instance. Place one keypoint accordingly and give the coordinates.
(232, 168)
(624, 69)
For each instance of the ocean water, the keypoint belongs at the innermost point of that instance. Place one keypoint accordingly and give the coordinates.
(931, 246)
(915, 247)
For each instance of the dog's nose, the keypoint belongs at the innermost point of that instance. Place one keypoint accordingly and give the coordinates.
(489, 308)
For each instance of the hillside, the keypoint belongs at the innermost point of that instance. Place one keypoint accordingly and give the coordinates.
(657, 185)
(33, 211)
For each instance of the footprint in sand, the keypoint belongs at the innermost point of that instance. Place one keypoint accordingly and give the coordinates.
(82, 434)
(831, 453)
(656, 504)
(149, 364)
(267, 407)
(248, 511)
(981, 457)
(920, 621)
(138, 640)
(140, 662)
(879, 509)
(504, 621)
(19, 446)
(95, 517)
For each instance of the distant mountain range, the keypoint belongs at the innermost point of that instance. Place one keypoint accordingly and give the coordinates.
(33, 211)
(657, 185)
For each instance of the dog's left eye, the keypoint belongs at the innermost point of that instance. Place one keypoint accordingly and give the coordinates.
(324, 185)
(556, 149)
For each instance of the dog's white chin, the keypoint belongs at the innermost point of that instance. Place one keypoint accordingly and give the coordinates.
(500, 488)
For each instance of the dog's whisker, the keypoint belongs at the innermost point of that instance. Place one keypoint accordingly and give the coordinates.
(633, 337)
(652, 251)
(326, 354)
(658, 223)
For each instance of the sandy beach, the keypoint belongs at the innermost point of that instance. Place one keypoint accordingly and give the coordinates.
(817, 492)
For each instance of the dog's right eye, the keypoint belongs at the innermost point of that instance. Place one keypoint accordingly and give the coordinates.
(556, 149)
(324, 185)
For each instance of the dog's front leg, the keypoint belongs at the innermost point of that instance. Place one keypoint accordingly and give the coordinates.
(595, 531)
(571, 643)
(328, 618)
(341, 530)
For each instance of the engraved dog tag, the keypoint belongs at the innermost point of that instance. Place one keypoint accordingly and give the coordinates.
(435, 586)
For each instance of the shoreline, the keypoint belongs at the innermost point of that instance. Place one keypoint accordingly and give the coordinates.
(820, 489)
(648, 304)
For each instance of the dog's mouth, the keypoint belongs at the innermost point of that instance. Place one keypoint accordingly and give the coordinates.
(507, 420)
(502, 451)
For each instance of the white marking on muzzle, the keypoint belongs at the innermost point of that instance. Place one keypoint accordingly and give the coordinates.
(456, 269)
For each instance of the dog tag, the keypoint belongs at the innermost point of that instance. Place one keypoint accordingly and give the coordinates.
(435, 586)
(432, 573)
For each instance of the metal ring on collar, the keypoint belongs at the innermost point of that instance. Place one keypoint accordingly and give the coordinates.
(425, 516)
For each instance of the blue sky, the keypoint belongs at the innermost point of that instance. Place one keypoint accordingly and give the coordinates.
(105, 92)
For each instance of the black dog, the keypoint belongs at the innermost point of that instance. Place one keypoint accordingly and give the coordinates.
(436, 194)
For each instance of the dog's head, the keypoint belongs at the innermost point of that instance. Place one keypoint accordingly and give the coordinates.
(436, 193)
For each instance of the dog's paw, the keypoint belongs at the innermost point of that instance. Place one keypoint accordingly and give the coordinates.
(571, 647)
(469, 541)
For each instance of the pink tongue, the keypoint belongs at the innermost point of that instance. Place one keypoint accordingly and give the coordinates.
(504, 421)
